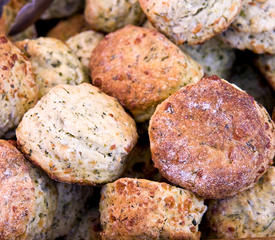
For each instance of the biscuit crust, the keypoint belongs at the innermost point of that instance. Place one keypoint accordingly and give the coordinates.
(79, 135)
(212, 138)
(141, 67)
(18, 90)
(191, 22)
(133, 209)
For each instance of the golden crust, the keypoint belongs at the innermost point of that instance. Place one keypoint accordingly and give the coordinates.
(17, 194)
(212, 138)
(69, 27)
(140, 209)
(141, 67)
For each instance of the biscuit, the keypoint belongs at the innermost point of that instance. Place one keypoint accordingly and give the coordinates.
(249, 214)
(141, 67)
(27, 197)
(212, 138)
(257, 42)
(83, 45)
(266, 65)
(63, 8)
(108, 16)
(70, 203)
(88, 228)
(53, 63)
(18, 90)
(191, 22)
(68, 28)
(141, 209)
(214, 56)
(256, 16)
(78, 135)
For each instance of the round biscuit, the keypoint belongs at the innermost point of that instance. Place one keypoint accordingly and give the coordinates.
(78, 135)
(212, 138)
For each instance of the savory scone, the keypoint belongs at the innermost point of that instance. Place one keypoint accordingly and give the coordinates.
(141, 67)
(63, 8)
(249, 214)
(266, 64)
(78, 135)
(53, 63)
(70, 204)
(191, 22)
(83, 44)
(68, 28)
(259, 43)
(212, 138)
(256, 16)
(134, 209)
(28, 198)
(18, 90)
(88, 228)
(110, 15)
(214, 56)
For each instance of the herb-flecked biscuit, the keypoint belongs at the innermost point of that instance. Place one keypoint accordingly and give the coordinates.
(249, 214)
(18, 90)
(141, 68)
(88, 228)
(212, 138)
(69, 27)
(53, 63)
(70, 203)
(259, 43)
(266, 64)
(256, 16)
(83, 45)
(63, 8)
(78, 135)
(214, 55)
(142, 209)
(110, 15)
(27, 197)
(190, 21)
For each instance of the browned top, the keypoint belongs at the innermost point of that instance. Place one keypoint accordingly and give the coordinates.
(212, 139)
(16, 193)
(140, 67)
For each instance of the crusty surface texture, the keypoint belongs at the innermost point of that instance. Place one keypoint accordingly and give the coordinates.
(27, 199)
(212, 138)
(88, 228)
(214, 56)
(78, 134)
(190, 21)
(70, 203)
(266, 64)
(256, 16)
(141, 209)
(53, 63)
(63, 8)
(83, 45)
(68, 28)
(18, 90)
(141, 67)
(110, 15)
(259, 43)
(17, 198)
(249, 214)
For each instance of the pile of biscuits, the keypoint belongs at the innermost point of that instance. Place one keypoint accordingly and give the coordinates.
(138, 119)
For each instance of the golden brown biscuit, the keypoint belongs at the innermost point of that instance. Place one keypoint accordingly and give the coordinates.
(133, 209)
(212, 138)
(18, 90)
(141, 68)
(68, 28)
(27, 197)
